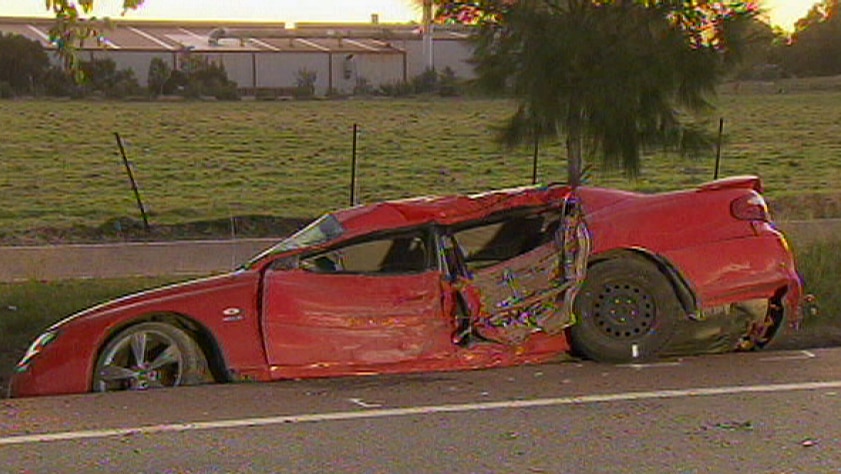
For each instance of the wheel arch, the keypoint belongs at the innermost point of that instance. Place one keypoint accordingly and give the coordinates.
(681, 286)
(779, 315)
(203, 337)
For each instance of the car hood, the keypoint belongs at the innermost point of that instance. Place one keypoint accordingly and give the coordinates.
(158, 296)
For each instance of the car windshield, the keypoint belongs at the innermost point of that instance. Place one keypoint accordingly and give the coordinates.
(320, 231)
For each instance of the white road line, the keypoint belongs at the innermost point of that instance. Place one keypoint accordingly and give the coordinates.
(411, 411)
(358, 401)
(801, 355)
(652, 365)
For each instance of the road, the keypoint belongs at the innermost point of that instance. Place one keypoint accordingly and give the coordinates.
(774, 412)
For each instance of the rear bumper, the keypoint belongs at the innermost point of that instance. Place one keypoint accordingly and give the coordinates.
(754, 267)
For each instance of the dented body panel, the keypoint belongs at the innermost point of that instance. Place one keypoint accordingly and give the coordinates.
(365, 320)
(724, 262)
(362, 290)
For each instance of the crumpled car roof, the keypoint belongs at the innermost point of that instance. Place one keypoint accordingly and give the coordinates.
(445, 210)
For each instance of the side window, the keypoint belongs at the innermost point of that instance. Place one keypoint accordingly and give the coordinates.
(403, 253)
(484, 245)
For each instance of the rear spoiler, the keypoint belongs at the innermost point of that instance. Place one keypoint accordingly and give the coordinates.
(734, 182)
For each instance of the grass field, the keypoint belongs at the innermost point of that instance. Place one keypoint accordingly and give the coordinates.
(59, 164)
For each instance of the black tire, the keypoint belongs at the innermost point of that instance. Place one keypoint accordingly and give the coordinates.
(627, 311)
(149, 355)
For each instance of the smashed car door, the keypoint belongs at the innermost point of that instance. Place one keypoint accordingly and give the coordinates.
(375, 301)
(522, 272)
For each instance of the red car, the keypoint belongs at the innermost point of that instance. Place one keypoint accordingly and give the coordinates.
(449, 283)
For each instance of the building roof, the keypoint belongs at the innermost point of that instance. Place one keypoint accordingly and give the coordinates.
(209, 37)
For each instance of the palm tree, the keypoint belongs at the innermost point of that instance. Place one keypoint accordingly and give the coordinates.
(611, 78)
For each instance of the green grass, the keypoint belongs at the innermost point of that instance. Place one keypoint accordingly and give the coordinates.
(207, 160)
(820, 265)
(28, 308)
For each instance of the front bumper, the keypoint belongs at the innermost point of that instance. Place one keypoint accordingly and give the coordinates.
(60, 369)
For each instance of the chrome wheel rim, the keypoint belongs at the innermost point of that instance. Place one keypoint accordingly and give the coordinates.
(140, 361)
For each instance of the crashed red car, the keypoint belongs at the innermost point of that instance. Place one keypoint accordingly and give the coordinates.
(449, 283)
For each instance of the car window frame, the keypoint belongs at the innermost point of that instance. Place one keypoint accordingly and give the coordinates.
(427, 232)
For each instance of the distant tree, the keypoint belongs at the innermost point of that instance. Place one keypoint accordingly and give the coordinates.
(815, 47)
(159, 72)
(820, 12)
(72, 29)
(762, 54)
(23, 63)
(103, 77)
(58, 82)
(610, 78)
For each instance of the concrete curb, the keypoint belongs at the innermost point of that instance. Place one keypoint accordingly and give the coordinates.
(63, 262)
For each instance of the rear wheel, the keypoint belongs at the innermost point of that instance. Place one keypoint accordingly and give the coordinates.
(149, 355)
(627, 311)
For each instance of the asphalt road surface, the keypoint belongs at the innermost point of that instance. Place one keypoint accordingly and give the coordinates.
(763, 412)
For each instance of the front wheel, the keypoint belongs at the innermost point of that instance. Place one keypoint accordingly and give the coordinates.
(148, 355)
(627, 311)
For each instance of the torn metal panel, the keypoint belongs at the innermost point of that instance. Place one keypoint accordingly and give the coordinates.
(738, 326)
(534, 291)
(521, 296)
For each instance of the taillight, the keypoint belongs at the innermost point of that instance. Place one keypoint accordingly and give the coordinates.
(751, 207)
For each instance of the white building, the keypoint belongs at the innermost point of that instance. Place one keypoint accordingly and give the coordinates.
(269, 56)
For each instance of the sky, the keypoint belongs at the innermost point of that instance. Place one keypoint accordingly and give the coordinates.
(782, 12)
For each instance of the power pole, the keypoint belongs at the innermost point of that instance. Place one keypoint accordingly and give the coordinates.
(428, 53)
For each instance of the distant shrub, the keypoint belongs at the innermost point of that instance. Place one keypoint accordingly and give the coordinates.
(158, 75)
(448, 83)
(430, 81)
(103, 77)
(201, 77)
(6, 91)
(363, 87)
(305, 80)
(425, 82)
(397, 89)
(58, 83)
